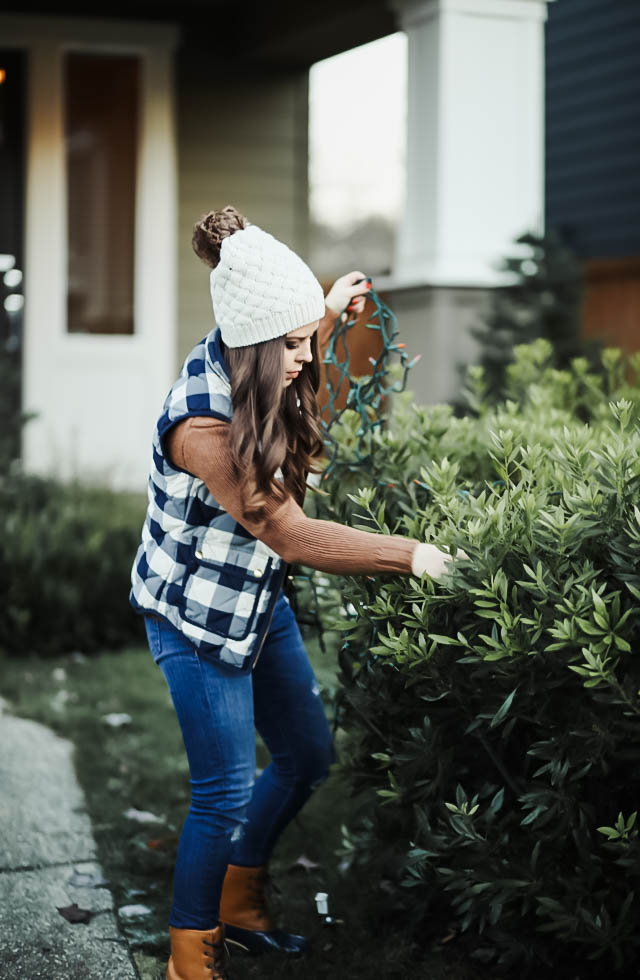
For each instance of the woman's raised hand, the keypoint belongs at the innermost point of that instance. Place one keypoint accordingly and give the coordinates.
(349, 292)
(427, 558)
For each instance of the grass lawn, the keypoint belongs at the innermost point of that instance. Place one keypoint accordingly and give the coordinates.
(143, 765)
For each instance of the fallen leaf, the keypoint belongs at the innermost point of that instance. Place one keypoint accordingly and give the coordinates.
(81, 879)
(159, 843)
(59, 701)
(74, 914)
(117, 719)
(305, 862)
(133, 911)
(142, 816)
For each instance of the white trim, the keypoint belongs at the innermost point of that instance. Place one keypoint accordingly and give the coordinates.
(457, 276)
(96, 396)
(412, 12)
(475, 139)
(432, 279)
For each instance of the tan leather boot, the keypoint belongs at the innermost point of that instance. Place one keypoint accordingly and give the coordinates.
(246, 919)
(197, 954)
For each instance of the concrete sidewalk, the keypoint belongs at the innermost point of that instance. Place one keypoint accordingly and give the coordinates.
(46, 841)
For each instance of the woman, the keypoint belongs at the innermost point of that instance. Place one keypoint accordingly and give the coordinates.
(238, 435)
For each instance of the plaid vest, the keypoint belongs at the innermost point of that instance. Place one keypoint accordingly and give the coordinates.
(196, 566)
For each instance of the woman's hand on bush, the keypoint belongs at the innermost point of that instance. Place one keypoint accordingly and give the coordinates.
(427, 558)
(348, 292)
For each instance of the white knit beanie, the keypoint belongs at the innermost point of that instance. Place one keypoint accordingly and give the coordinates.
(260, 289)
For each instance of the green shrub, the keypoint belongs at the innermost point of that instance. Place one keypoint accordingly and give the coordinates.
(65, 550)
(493, 719)
(65, 561)
(543, 302)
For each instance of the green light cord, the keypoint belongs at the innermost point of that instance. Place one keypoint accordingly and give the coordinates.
(364, 395)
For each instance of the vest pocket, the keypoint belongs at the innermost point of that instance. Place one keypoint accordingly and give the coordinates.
(221, 595)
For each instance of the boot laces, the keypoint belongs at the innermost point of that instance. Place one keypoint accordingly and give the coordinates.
(220, 958)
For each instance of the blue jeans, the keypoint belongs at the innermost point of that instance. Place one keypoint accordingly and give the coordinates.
(235, 818)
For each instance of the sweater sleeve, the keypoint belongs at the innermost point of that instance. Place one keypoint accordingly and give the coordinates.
(199, 445)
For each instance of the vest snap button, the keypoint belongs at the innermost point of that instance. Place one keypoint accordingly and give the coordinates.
(198, 555)
(258, 572)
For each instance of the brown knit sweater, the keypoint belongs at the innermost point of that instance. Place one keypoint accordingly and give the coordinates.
(199, 446)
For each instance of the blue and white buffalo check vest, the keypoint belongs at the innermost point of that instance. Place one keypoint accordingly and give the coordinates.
(196, 566)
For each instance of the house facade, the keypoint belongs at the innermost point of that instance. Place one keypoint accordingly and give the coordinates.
(121, 127)
(592, 161)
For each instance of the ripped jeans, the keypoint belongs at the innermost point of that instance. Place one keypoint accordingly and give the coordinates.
(234, 817)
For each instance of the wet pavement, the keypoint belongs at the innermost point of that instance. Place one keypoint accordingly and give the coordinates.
(48, 862)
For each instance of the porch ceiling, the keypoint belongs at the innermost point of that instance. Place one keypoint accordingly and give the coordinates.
(279, 35)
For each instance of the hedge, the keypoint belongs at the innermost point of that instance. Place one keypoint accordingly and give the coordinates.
(493, 719)
(65, 562)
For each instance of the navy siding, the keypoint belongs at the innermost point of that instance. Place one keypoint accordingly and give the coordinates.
(593, 125)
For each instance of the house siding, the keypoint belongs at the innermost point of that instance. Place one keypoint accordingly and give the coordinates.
(241, 141)
(593, 125)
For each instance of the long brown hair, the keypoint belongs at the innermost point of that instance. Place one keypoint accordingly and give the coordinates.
(273, 426)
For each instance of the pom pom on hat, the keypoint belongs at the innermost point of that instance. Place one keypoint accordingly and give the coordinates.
(260, 289)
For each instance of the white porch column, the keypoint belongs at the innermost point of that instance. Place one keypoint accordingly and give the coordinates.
(475, 148)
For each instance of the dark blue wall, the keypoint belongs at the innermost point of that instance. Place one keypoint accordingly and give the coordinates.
(593, 125)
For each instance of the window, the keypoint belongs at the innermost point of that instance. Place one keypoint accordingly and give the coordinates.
(101, 137)
(357, 133)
